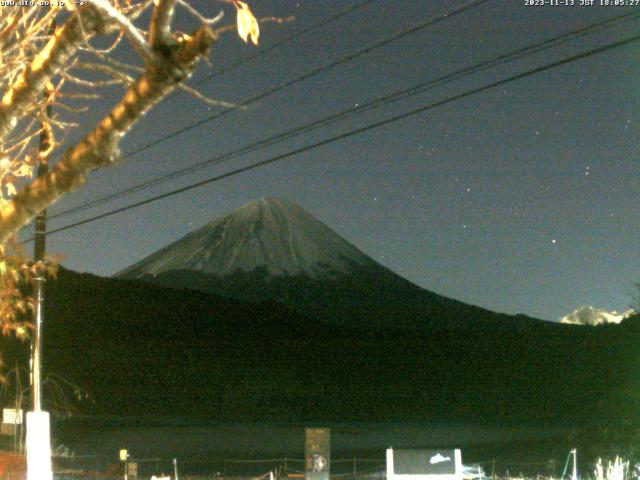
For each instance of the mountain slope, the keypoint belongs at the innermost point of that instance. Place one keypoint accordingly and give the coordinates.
(273, 249)
(358, 341)
(142, 349)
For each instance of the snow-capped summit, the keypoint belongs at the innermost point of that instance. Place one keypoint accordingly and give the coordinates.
(273, 235)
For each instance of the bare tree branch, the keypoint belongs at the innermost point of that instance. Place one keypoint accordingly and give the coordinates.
(138, 42)
(114, 73)
(196, 13)
(209, 101)
(31, 83)
(100, 147)
(160, 28)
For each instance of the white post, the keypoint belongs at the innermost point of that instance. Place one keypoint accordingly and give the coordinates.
(38, 447)
(175, 468)
(574, 474)
(38, 431)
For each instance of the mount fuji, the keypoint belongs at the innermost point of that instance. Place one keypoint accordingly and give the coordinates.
(272, 249)
(312, 329)
(272, 235)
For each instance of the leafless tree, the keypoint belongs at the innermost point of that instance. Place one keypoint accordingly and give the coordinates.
(49, 57)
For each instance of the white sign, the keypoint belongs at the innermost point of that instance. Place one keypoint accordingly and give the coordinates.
(12, 416)
(424, 464)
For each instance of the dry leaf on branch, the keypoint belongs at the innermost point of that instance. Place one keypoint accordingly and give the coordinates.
(247, 24)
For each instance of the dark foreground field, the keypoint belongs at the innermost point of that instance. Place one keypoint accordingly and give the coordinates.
(256, 448)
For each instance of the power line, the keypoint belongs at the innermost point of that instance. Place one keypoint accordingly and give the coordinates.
(343, 59)
(357, 131)
(393, 97)
(289, 83)
(274, 46)
(284, 41)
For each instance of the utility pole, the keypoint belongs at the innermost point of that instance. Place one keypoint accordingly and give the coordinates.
(38, 424)
(39, 281)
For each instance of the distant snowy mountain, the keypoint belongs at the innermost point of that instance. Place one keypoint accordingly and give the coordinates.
(588, 315)
(271, 234)
(272, 249)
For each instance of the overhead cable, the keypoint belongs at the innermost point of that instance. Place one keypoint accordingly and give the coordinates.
(357, 131)
(377, 103)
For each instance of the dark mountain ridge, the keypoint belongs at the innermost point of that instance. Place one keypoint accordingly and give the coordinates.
(147, 350)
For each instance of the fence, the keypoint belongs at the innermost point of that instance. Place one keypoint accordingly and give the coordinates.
(288, 468)
(283, 468)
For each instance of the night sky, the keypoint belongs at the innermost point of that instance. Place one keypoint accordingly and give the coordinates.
(520, 199)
